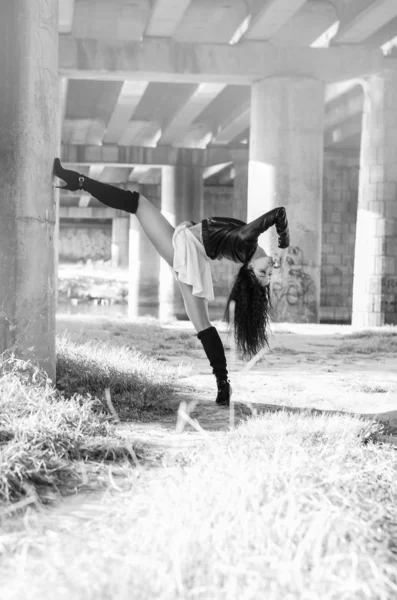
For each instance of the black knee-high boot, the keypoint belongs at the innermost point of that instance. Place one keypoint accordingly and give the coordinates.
(108, 194)
(213, 347)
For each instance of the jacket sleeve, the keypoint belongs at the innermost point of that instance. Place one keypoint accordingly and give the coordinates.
(277, 217)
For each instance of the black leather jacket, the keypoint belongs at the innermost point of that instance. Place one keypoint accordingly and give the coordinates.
(237, 241)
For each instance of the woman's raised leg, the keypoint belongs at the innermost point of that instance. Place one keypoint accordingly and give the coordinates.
(158, 230)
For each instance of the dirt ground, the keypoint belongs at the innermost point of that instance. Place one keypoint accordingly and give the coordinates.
(303, 369)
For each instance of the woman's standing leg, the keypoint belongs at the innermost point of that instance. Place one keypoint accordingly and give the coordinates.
(197, 311)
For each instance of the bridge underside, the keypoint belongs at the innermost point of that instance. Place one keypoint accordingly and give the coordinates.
(250, 104)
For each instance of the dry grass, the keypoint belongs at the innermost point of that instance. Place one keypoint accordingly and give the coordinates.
(45, 432)
(286, 506)
(144, 334)
(369, 342)
(141, 387)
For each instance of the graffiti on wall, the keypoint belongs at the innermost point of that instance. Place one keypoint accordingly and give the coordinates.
(389, 284)
(389, 299)
(85, 243)
(294, 291)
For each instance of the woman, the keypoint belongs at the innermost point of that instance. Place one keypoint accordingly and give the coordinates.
(187, 249)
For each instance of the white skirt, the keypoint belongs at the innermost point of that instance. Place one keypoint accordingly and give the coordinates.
(191, 264)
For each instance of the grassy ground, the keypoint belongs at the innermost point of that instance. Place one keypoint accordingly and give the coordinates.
(140, 386)
(283, 507)
(46, 433)
(287, 505)
(369, 342)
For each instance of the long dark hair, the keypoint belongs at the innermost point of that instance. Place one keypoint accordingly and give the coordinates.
(251, 314)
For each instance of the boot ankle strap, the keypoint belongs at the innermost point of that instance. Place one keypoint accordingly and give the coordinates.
(81, 182)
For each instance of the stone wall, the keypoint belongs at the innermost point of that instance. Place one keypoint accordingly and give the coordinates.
(85, 239)
(340, 195)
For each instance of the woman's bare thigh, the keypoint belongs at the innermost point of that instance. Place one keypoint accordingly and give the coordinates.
(156, 227)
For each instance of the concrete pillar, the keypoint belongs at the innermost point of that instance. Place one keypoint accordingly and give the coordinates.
(120, 241)
(240, 188)
(135, 233)
(28, 142)
(181, 200)
(150, 261)
(285, 169)
(375, 262)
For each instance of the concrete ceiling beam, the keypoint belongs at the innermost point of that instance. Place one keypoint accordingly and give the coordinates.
(114, 175)
(215, 169)
(366, 22)
(118, 156)
(118, 20)
(152, 176)
(83, 131)
(234, 125)
(95, 171)
(164, 60)
(141, 133)
(165, 17)
(198, 135)
(84, 200)
(340, 135)
(130, 96)
(309, 25)
(203, 95)
(137, 172)
(211, 21)
(267, 18)
(65, 16)
(344, 111)
(335, 90)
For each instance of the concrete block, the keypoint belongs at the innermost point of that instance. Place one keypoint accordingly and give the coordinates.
(391, 210)
(328, 269)
(327, 313)
(390, 264)
(327, 248)
(343, 313)
(388, 153)
(390, 227)
(386, 190)
(336, 217)
(334, 259)
(334, 238)
(390, 173)
(390, 246)
(380, 227)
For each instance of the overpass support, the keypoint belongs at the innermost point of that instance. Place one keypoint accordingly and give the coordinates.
(240, 190)
(285, 169)
(134, 246)
(182, 199)
(120, 241)
(28, 143)
(375, 261)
